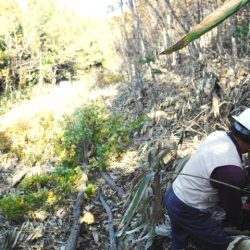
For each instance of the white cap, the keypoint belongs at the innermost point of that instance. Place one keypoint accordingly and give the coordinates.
(244, 118)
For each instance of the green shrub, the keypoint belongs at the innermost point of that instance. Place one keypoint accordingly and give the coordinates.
(18, 207)
(40, 192)
(13, 207)
(90, 190)
(108, 134)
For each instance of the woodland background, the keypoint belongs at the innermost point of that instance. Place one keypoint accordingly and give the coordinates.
(113, 116)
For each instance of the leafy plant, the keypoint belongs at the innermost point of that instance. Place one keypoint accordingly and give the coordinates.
(142, 186)
(90, 190)
(156, 71)
(146, 60)
(13, 207)
(144, 211)
(242, 32)
(40, 192)
(106, 134)
(29, 137)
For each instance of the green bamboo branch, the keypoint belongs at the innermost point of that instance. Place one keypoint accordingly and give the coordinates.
(211, 21)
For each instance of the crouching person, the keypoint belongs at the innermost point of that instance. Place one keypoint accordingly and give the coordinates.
(189, 201)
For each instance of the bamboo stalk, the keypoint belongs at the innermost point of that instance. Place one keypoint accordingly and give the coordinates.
(208, 23)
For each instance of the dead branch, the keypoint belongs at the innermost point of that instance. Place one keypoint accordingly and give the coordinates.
(109, 180)
(75, 230)
(113, 245)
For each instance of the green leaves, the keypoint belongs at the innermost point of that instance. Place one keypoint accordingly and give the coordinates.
(142, 186)
(156, 71)
(146, 60)
(44, 191)
(211, 21)
(107, 135)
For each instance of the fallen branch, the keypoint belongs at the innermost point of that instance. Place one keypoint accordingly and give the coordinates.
(75, 230)
(112, 239)
(109, 180)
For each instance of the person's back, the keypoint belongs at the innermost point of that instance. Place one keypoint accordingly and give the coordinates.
(212, 176)
(216, 151)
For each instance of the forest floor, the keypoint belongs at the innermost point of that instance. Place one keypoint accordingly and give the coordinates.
(174, 103)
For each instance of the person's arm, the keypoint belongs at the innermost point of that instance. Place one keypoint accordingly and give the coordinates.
(230, 198)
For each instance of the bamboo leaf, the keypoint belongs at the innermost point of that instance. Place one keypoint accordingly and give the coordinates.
(146, 59)
(182, 135)
(135, 202)
(211, 21)
(156, 71)
(240, 243)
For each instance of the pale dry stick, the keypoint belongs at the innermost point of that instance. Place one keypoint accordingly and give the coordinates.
(196, 131)
(218, 54)
(213, 180)
(113, 245)
(193, 120)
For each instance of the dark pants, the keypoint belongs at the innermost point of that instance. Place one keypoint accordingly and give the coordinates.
(188, 222)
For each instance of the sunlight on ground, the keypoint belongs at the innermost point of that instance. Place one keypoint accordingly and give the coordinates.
(29, 127)
(61, 99)
(127, 164)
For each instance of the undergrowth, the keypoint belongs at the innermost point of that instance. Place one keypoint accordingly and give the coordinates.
(106, 134)
(9, 98)
(45, 192)
(60, 141)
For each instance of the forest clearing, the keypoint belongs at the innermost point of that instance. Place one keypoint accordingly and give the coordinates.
(99, 117)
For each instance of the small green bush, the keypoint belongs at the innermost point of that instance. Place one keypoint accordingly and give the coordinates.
(108, 134)
(13, 207)
(40, 192)
(90, 190)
